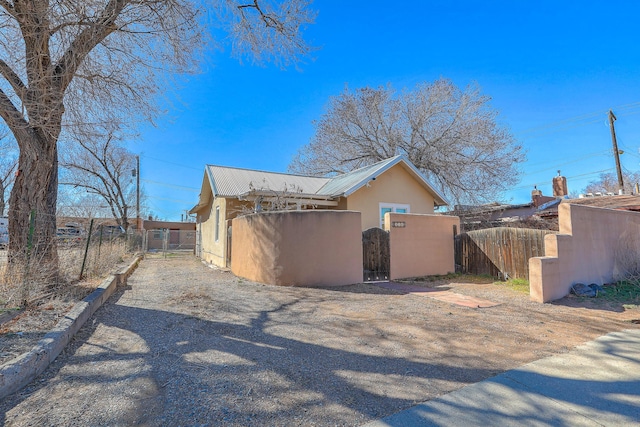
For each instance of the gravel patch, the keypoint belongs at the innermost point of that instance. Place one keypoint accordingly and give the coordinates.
(184, 344)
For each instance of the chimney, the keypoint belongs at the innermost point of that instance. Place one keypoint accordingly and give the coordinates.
(560, 186)
(536, 196)
(535, 192)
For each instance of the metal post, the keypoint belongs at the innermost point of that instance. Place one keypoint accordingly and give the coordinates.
(164, 242)
(86, 249)
(100, 243)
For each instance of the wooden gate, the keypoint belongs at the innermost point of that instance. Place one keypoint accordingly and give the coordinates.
(375, 254)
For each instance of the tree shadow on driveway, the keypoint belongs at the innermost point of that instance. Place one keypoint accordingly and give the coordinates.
(137, 366)
(133, 365)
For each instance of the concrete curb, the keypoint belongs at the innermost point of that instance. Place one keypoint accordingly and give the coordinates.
(20, 371)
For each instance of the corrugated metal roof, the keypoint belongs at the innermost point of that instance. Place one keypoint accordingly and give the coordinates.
(230, 182)
(233, 182)
(346, 183)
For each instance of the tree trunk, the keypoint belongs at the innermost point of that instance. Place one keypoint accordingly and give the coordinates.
(32, 216)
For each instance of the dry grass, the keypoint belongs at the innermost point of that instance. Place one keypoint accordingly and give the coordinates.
(33, 284)
(22, 327)
(627, 260)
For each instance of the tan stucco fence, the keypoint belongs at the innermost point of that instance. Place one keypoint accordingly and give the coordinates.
(584, 250)
(324, 247)
(421, 245)
(298, 248)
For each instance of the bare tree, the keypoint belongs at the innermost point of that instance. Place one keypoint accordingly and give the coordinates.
(8, 165)
(451, 135)
(76, 203)
(608, 182)
(103, 167)
(69, 65)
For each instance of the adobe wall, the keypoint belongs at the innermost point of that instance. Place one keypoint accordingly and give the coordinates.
(423, 247)
(298, 248)
(584, 250)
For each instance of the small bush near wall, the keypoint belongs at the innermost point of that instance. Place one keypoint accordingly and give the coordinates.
(627, 259)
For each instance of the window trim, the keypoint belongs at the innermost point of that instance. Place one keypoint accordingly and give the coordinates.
(393, 207)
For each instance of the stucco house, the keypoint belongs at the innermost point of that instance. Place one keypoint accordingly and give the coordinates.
(392, 185)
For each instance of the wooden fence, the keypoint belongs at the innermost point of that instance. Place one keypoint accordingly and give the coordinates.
(501, 252)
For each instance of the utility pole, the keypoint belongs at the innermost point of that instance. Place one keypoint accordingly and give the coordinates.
(138, 193)
(616, 153)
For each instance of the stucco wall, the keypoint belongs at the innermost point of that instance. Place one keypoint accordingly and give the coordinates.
(298, 248)
(394, 186)
(423, 247)
(584, 250)
(213, 251)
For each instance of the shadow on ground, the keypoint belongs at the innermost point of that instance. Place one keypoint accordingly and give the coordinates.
(194, 371)
(132, 366)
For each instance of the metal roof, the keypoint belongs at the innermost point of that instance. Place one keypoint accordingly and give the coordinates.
(234, 182)
(349, 183)
(230, 182)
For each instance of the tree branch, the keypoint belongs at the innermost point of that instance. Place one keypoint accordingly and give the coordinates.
(12, 117)
(86, 41)
(8, 7)
(14, 80)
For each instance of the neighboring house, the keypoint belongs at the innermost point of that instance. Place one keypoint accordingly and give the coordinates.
(169, 234)
(499, 214)
(625, 202)
(392, 185)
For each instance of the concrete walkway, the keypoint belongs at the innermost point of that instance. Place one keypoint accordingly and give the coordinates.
(597, 384)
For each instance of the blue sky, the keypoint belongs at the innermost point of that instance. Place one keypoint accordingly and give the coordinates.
(552, 68)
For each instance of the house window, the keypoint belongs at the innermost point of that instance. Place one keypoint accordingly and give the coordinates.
(217, 232)
(157, 234)
(392, 208)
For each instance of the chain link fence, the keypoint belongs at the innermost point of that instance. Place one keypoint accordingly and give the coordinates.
(48, 260)
(166, 241)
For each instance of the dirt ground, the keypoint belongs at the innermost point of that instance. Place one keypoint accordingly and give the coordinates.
(184, 344)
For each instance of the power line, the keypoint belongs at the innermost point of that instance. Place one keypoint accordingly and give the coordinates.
(170, 163)
(164, 184)
(593, 117)
(569, 177)
(587, 156)
(170, 200)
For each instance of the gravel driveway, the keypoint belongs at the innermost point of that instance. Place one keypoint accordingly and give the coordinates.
(184, 344)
